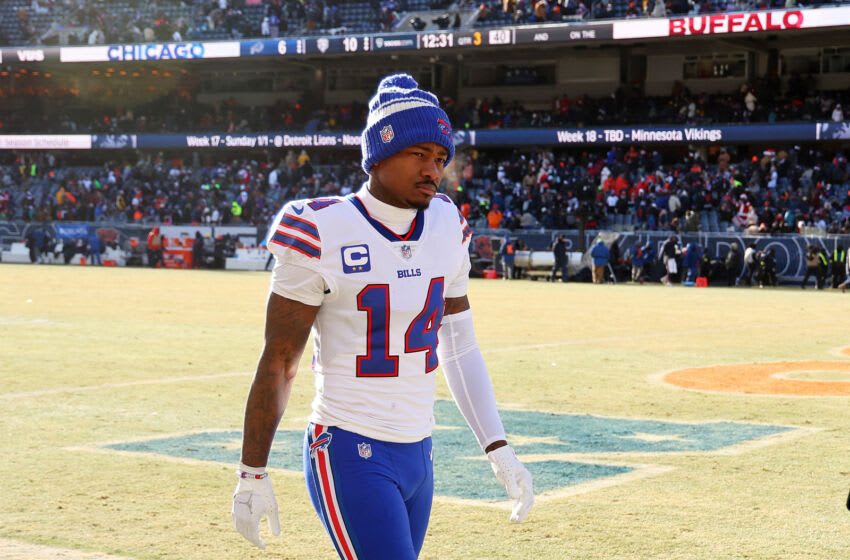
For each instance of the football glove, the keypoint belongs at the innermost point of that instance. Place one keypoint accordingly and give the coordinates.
(516, 479)
(254, 498)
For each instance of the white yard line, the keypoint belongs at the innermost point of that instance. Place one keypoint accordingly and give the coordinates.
(17, 550)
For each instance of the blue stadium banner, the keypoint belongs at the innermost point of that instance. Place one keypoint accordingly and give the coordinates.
(602, 136)
(222, 141)
(71, 231)
(675, 134)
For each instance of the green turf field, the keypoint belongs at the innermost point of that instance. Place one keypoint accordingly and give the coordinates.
(122, 394)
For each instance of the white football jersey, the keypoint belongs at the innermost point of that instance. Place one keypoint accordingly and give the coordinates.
(381, 296)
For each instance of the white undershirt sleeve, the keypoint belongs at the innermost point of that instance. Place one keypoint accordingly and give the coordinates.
(467, 377)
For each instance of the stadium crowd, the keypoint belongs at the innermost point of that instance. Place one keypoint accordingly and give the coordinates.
(179, 111)
(634, 188)
(626, 188)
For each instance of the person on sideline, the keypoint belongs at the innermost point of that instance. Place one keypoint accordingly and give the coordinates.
(600, 255)
(508, 254)
(559, 251)
(380, 277)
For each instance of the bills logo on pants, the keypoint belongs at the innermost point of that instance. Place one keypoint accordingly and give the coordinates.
(320, 444)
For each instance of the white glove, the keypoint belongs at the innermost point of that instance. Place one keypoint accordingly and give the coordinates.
(253, 499)
(516, 478)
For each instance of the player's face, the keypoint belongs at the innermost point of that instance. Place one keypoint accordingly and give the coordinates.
(410, 178)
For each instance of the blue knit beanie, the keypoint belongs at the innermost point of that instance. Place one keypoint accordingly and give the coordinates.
(400, 115)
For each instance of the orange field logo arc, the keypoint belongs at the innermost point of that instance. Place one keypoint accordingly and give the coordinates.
(765, 378)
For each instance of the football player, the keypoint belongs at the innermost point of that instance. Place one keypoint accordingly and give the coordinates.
(380, 279)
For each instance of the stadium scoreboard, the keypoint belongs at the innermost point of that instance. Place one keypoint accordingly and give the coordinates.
(787, 20)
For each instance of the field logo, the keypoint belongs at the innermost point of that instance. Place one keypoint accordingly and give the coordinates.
(812, 378)
(566, 453)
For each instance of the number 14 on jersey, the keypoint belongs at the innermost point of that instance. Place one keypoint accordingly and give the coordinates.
(420, 336)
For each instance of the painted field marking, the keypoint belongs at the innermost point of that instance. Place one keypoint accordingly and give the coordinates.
(568, 454)
(762, 378)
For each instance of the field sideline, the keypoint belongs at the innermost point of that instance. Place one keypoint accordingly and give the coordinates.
(122, 393)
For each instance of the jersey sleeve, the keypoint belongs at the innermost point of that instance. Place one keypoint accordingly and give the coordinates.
(456, 287)
(296, 244)
(294, 235)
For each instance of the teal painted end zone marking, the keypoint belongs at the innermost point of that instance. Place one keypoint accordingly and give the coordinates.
(459, 469)
(222, 447)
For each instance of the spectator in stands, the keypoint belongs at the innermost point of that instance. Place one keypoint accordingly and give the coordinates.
(750, 101)
(96, 37)
(494, 217)
(38, 9)
(745, 215)
(442, 21)
(541, 11)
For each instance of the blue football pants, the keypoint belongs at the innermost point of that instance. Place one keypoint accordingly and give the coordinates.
(373, 497)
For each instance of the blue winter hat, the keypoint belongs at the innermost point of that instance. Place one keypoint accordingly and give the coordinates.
(400, 115)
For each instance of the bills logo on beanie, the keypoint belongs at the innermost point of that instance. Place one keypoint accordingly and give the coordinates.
(400, 115)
